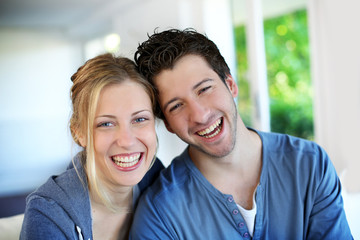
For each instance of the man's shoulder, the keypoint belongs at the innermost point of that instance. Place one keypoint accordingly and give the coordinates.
(172, 182)
(287, 143)
(293, 155)
(151, 175)
(171, 178)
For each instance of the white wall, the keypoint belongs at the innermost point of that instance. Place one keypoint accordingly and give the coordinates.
(335, 49)
(335, 38)
(35, 70)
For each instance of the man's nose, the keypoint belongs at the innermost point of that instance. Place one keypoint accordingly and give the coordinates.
(198, 112)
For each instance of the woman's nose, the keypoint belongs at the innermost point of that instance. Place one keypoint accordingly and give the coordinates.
(125, 136)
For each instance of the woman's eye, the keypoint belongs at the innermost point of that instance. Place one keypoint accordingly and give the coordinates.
(105, 124)
(139, 120)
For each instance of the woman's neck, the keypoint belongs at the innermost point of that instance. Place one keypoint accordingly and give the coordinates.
(110, 224)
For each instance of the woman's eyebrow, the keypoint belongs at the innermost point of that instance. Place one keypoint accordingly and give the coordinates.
(105, 116)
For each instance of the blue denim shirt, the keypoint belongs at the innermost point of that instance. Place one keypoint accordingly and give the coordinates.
(299, 197)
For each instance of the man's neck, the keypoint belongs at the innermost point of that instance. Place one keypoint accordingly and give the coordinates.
(238, 173)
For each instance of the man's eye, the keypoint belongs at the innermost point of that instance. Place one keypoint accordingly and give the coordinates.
(176, 106)
(204, 89)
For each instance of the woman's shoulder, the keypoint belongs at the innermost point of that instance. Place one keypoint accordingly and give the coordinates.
(58, 188)
(62, 200)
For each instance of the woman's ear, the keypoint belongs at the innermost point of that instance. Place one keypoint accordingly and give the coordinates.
(82, 141)
(231, 84)
(79, 138)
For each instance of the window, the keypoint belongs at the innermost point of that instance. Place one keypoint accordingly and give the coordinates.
(288, 74)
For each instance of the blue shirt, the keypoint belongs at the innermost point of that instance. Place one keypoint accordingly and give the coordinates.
(299, 197)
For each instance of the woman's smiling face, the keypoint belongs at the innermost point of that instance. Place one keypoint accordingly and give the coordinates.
(124, 134)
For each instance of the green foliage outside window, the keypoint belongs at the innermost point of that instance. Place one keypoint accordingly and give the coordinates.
(288, 72)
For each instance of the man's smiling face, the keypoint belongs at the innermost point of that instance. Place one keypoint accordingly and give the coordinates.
(198, 106)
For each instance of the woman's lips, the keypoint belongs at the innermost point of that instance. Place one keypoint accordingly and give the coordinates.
(127, 162)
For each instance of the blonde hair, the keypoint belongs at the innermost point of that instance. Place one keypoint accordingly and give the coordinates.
(88, 82)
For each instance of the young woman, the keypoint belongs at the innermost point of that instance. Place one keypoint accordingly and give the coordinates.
(113, 121)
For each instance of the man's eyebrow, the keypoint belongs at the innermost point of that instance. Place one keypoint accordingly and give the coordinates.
(201, 82)
(169, 102)
(193, 88)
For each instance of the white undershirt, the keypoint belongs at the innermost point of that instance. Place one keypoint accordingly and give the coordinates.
(249, 216)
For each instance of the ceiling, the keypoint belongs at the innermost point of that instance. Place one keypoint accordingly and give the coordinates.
(75, 18)
(83, 18)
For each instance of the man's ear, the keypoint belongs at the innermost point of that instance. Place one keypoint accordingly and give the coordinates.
(231, 83)
(168, 126)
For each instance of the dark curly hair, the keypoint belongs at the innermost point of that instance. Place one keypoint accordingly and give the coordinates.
(162, 50)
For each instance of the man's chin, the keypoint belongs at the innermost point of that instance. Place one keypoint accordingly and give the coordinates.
(214, 153)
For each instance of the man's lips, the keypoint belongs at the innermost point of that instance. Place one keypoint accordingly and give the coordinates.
(212, 130)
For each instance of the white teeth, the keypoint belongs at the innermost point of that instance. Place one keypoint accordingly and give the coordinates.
(125, 164)
(210, 129)
(214, 134)
(126, 161)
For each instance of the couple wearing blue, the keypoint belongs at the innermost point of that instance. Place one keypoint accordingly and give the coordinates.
(231, 182)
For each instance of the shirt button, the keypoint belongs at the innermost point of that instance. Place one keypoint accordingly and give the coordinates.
(246, 235)
(235, 211)
(230, 199)
(241, 224)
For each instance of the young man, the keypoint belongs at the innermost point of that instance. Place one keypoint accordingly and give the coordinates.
(231, 182)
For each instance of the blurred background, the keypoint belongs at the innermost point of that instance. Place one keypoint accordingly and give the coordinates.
(297, 64)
